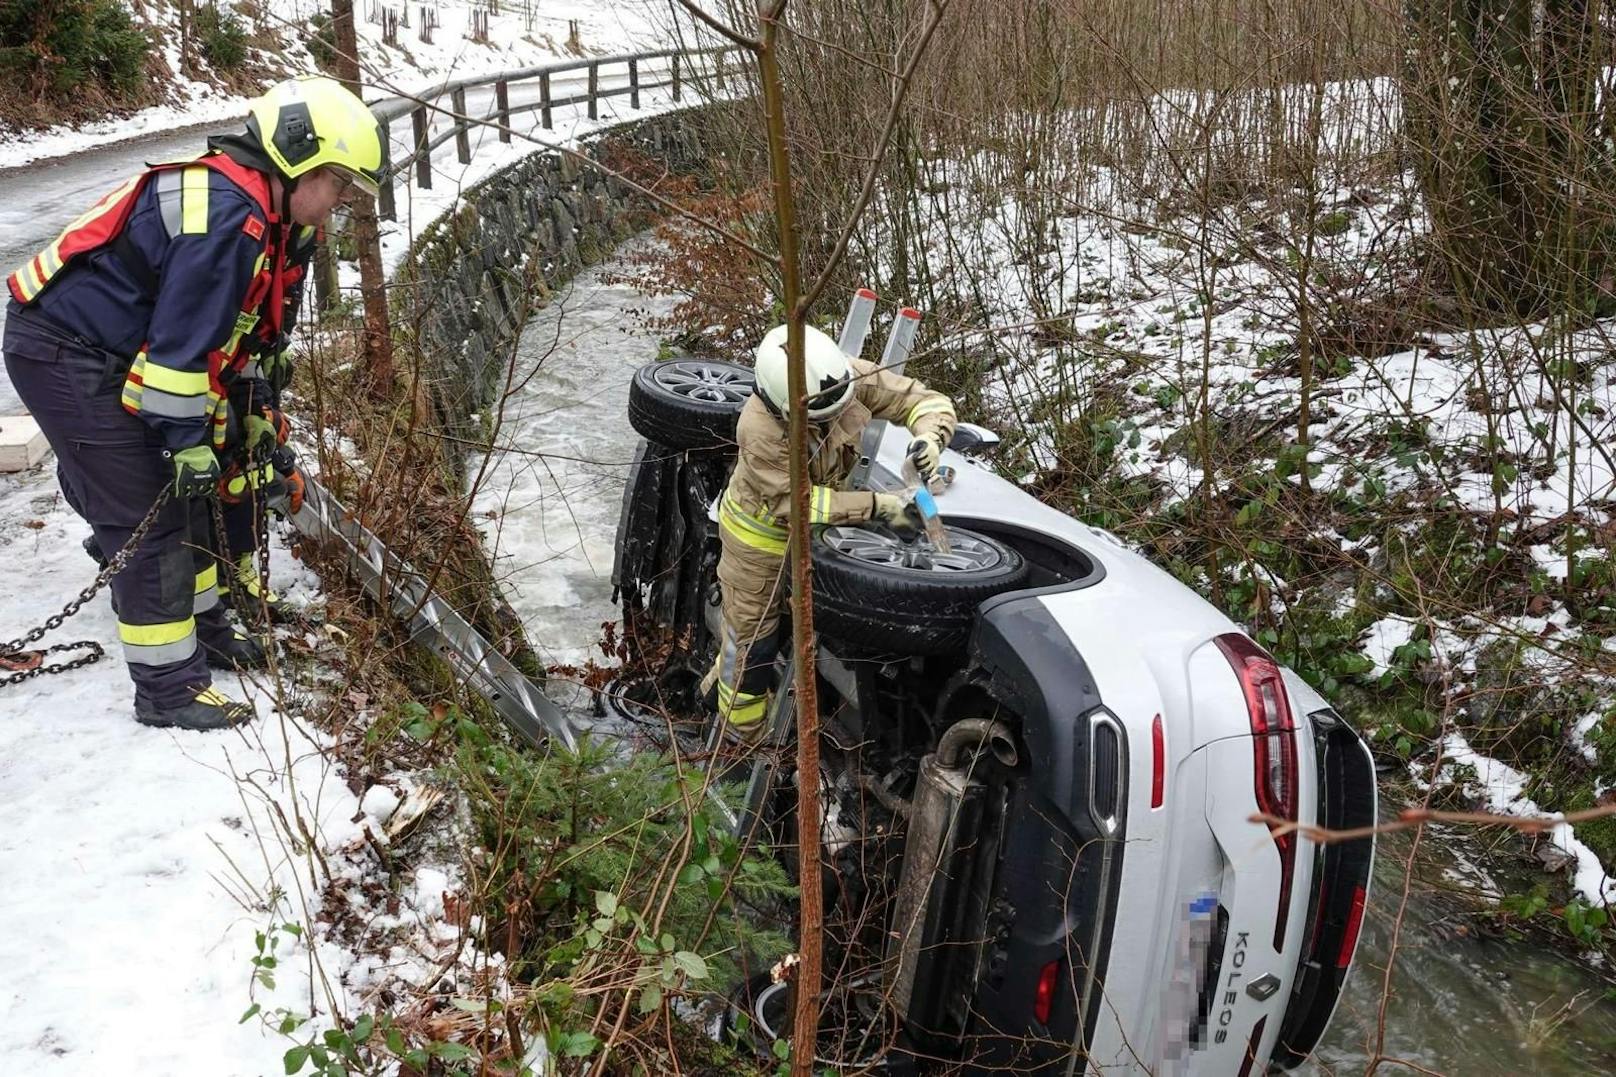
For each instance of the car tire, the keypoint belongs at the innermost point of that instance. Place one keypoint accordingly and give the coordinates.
(688, 404)
(906, 608)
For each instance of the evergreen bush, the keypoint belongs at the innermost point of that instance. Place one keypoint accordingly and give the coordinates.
(56, 48)
(323, 41)
(223, 36)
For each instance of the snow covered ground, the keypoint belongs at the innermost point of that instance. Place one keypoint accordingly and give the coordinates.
(201, 903)
(1504, 789)
(139, 863)
(1129, 294)
(523, 34)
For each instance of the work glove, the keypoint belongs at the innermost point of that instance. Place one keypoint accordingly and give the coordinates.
(238, 478)
(293, 481)
(258, 436)
(196, 471)
(925, 452)
(278, 419)
(899, 514)
(289, 500)
(275, 367)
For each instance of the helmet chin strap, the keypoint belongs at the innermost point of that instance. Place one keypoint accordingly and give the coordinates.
(288, 185)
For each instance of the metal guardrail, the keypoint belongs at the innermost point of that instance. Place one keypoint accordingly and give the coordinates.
(681, 65)
(434, 623)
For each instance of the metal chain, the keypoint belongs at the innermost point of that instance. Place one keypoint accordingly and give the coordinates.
(220, 548)
(261, 548)
(114, 566)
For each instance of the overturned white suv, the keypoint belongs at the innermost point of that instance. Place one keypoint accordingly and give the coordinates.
(1042, 760)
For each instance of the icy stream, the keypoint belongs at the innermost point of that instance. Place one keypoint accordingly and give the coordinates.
(548, 501)
(549, 504)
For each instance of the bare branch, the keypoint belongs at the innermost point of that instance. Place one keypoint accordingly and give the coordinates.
(934, 16)
(1409, 818)
(720, 28)
(845, 53)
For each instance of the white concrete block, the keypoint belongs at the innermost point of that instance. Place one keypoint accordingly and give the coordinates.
(22, 445)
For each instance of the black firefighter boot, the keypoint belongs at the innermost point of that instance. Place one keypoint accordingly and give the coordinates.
(93, 548)
(209, 709)
(247, 595)
(235, 651)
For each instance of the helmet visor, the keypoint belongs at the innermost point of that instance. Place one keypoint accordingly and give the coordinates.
(828, 403)
(350, 178)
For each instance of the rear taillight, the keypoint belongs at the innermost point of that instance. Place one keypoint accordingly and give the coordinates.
(1273, 732)
(1044, 1000)
(1349, 940)
(1158, 765)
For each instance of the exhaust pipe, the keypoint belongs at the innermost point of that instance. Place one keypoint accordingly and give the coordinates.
(934, 859)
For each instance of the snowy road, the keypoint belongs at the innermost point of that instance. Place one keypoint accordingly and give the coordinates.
(117, 841)
(128, 853)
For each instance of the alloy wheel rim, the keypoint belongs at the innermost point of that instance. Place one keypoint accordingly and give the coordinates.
(967, 554)
(706, 382)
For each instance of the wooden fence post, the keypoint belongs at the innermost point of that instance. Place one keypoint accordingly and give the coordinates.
(594, 88)
(384, 193)
(676, 76)
(633, 83)
(457, 98)
(544, 99)
(502, 97)
(325, 276)
(423, 157)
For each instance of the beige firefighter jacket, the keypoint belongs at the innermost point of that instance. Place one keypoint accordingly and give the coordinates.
(754, 509)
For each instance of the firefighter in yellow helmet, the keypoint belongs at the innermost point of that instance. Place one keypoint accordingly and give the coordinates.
(844, 394)
(137, 339)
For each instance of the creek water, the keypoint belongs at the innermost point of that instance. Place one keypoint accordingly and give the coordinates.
(1460, 1001)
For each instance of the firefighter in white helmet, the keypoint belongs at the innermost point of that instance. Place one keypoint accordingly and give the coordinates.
(843, 395)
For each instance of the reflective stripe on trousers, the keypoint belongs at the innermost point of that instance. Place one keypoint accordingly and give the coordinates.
(743, 674)
(207, 590)
(750, 530)
(158, 644)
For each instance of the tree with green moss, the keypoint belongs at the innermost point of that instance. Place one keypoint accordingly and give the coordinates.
(1511, 140)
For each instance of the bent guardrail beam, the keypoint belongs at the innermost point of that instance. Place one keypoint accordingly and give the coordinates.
(432, 622)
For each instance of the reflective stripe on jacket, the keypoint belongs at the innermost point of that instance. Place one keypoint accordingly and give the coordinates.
(190, 256)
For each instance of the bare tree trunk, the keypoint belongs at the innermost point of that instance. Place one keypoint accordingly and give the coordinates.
(185, 37)
(797, 300)
(1500, 98)
(805, 1027)
(378, 344)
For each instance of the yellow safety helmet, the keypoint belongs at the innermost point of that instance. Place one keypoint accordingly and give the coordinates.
(313, 121)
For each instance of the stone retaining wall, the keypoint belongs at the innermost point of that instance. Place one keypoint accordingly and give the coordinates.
(473, 278)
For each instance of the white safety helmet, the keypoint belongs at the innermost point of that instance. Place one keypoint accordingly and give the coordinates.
(829, 375)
